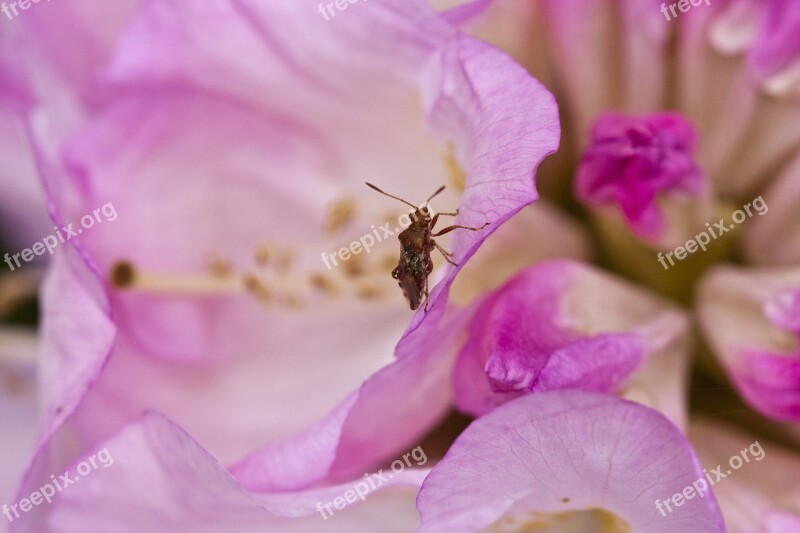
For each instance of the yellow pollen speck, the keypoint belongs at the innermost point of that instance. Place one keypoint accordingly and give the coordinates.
(258, 288)
(388, 262)
(391, 218)
(355, 266)
(263, 254)
(285, 260)
(323, 283)
(458, 177)
(367, 291)
(219, 267)
(290, 300)
(342, 213)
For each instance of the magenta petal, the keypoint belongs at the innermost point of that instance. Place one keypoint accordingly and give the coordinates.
(566, 451)
(542, 331)
(632, 160)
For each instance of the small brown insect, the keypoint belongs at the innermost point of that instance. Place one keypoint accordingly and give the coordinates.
(416, 245)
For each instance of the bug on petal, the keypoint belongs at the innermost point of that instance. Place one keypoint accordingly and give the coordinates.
(416, 245)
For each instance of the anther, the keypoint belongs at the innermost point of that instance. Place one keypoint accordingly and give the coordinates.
(263, 255)
(342, 213)
(323, 283)
(219, 267)
(257, 287)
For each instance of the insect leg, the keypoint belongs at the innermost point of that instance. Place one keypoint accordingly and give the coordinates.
(426, 294)
(435, 218)
(451, 228)
(447, 255)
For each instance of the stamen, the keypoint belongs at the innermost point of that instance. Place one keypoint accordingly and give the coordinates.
(125, 276)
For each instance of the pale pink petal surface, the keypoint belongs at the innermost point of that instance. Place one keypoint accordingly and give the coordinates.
(762, 494)
(562, 452)
(749, 318)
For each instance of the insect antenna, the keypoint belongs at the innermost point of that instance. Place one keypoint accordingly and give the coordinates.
(428, 201)
(440, 189)
(371, 186)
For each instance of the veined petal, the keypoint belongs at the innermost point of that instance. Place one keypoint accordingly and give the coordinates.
(564, 452)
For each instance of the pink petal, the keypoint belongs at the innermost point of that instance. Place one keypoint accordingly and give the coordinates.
(712, 83)
(561, 452)
(543, 330)
(158, 478)
(582, 33)
(633, 161)
(740, 314)
(23, 216)
(501, 169)
(756, 496)
(775, 239)
(539, 232)
(75, 40)
(389, 414)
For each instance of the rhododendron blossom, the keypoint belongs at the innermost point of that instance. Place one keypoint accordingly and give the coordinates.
(550, 376)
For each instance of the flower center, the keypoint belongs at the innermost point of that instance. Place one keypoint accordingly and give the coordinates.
(356, 268)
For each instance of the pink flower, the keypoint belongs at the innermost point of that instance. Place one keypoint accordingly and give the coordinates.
(632, 160)
(226, 146)
(231, 349)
